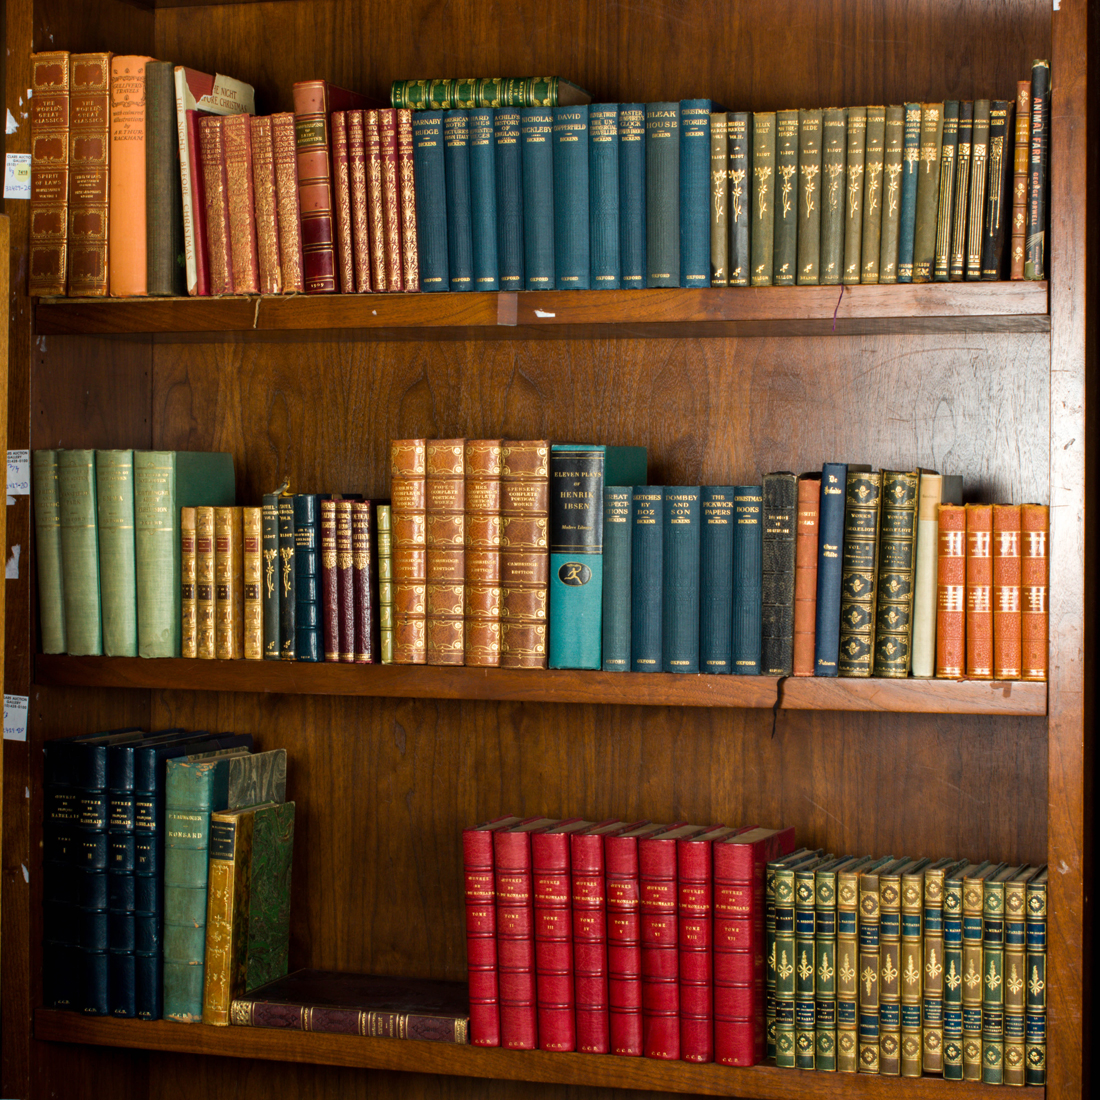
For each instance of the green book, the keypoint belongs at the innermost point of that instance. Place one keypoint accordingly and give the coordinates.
(1035, 1002)
(893, 976)
(993, 975)
(47, 540)
(891, 194)
(785, 243)
(165, 482)
(834, 159)
(269, 909)
(805, 980)
(897, 563)
(114, 474)
(853, 206)
(1015, 976)
(972, 980)
(945, 219)
(933, 967)
(873, 162)
(858, 571)
(719, 200)
(762, 233)
(809, 197)
(928, 191)
(79, 552)
(956, 267)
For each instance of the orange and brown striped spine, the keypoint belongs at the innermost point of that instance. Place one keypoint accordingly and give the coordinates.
(1006, 592)
(1034, 575)
(410, 264)
(951, 593)
(408, 492)
(483, 594)
(979, 591)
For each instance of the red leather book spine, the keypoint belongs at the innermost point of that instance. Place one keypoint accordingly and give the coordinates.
(515, 940)
(264, 194)
(557, 1029)
(951, 593)
(49, 207)
(1007, 658)
(391, 198)
(446, 546)
(695, 951)
(286, 202)
(345, 583)
(215, 192)
(805, 575)
(375, 202)
(357, 167)
(364, 570)
(408, 466)
(624, 949)
(410, 263)
(330, 595)
(89, 153)
(244, 263)
(341, 186)
(1034, 626)
(979, 591)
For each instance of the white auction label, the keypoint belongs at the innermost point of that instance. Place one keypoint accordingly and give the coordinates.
(17, 176)
(19, 473)
(15, 717)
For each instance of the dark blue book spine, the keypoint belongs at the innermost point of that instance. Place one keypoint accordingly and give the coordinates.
(680, 614)
(646, 574)
(572, 259)
(695, 192)
(910, 172)
(431, 200)
(509, 171)
(483, 199)
(618, 523)
(662, 194)
(307, 578)
(716, 579)
(287, 580)
(603, 195)
(739, 138)
(456, 158)
(834, 477)
(632, 215)
(748, 514)
(536, 127)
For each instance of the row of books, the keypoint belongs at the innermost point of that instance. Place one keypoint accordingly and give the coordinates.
(167, 860)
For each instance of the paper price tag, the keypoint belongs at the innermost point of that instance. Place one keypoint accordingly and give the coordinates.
(19, 473)
(17, 176)
(15, 717)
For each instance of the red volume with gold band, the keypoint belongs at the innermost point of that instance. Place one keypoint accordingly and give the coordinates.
(286, 202)
(357, 169)
(979, 591)
(805, 574)
(264, 192)
(216, 204)
(1035, 567)
(375, 204)
(410, 263)
(245, 264)
(341, 188)
(1006, 592)
(391, 198)
(446, 545)
(951, 593)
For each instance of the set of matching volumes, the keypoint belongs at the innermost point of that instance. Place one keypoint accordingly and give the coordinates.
(907, 967)
(152, 841)
(635, 939)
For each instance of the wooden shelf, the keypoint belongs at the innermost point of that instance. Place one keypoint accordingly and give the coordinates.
(545, 686)
(912, 308)
(764, 1082)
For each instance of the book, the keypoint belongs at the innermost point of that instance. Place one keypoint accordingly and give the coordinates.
(998, 199)
(456, 161)
(951, 600)
(748, 509)
(50, 166)
(408, 477)
(285, 152)
(537, 172)
(928, 192)
(993, 975)
(834, 167)
(482, 592)
(618, 519)
(126, 219)
(1015, 976)
(80, 576)
(483, 199)
(897, 560)
(1035, 236)
(695, 192)
(891, 194)
(228, 584)
(719, 199)
(508, 162)
(680, 591)
(493, 91)
(288, 574)
(114, 482)
(979, 156)
(853, 217)
(252, 543)
(859, 571)
(662, 193)
(716, 579)
(307, 578)
(363, 632)
(431, 202)
(572, 256)
(935, 489)
(632, 195)
(1035, 1003)
(89, 163)
(953, 968)
(973, 984)
(445, 593)
(330, 578)
(1006, 592)
(785, 262)
(205, 591)
(979, 591)
(1020, 162)
(343, 220)
(410, 261)
(646, 577)
(1034, 579)
(272, 576)
(810, 188)
(780, 513)
(910, 176)
(805, 574)
(265, 196)
(384, 530)
(894, 975)
(391, 198)
(47, 541)
(358, 1004)
(934, 962)
(167, 270)
(829, 562)
(219, 241)
(739, 218)
(949, 151)
(873, 162)
(956, 268)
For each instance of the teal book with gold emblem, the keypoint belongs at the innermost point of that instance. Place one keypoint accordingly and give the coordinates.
(1035, 1004)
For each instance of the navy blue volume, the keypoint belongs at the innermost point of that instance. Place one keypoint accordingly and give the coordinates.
(647, 570)
(830, 549)
(695, 192)
(307, 578)
(716, 579)
(603, 195)
(536, 127)
(572, 262)
(632, 215)
(456, 158)
(748, 511)
(483, 199)
(509, 182)
(618, 523)
(680, 614)
(431, 200)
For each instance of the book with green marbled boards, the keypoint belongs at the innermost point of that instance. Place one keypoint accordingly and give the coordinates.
(79, 552)
(114, 474)
(47, 539)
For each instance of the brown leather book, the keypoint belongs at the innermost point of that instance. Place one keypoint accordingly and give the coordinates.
(216, 204)
(408, 474)
(228, 584)
(341, 187)
(357, 167)
(524, 552)
(126, 241)
(446, 536)
(204, 583)
(330, 583)
(805, 574)
(410, 264)
(375, 204)
(1006, 592)
(391, 198)
(951, 593)
(264, 201)
(286, 202)
(252, 542)
(383, 562)
(483, 470)
(49, 213)
(89, 159)
(244, 262)
(979, 591)
(345, 582)
(1034, 574)
(1020, 163)
(188, 636)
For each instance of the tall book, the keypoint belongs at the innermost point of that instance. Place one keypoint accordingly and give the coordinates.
(778, 550)
(762, 233)
(805, 573)
(956, 267)
(215, 176)
(618, 523)
(933, 966)
(910, 175)
(891, 194)
(993, 975)
(114, 481)
(646, 577)
(859, 571)
(410, 261)
(330, 579)
(287, 205)
(1015, 976)
(229, 584)
(456, 160)
(237, 132)
(853, 209)
(252, 543)
(869, 967)
(482, 592)
(834, 166)
(695, 192)
(89, 161)
(1020, 160)
(953, 968)
(998, 200)
(935, 489)
(357, 199)
(167, 270)
(384, 521)
(265, 196)
(537, 134)
(1034, 578)
(445, 594)
(892, 973)
(834, 477)
(288, 580)
(897, 560)
(739, 218)
(748, 514)
(979, 158)
(928, 192)
(483, 199)
(716, 579)
(632, 195)
(361, 630)
(719, 200)
(810, 181)
(431, 201)
(973, 979)
(205, 591)
(391, 197)
(49, 208)
(1035, 1003)
(509, 195)
(910, 968)
(126, 222)
(47, 541)
(951, 593)
(344, 219)
(572, 255)
(979, 591)
(680, 584)
(949, 152)
(80, 577)
(874, 159)
(1006, 592)
(662, 193)
(785, 262)
(1035, 239)
(271, 574)
(408, 478)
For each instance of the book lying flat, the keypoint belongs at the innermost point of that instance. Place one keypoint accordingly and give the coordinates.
(358, 1004)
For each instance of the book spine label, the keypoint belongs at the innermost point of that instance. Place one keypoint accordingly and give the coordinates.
(1035, 239)
(80, 552)
(371, 567)
(445, 597)
(695, 192)
(928, 192)
(376, 207)
(739, 170)
(227, 908)
(859, 572)
(1006, 592)
(515, 940)
(603, 195)
(89, 160)
(805, 574)
(853, 207)
(873, 163)
(228, 583)
(748, 514)
(330, 590)
(910, 175)
(126, 224)
(47, 537)
(662, 199)
(646, 576)
(264, 191)
(341, 202)
(998, 201)
(524, 552)
(483, 199)
(117, 566)
(632, 195)
(956, 268)
(216, 197)
(410, 263)
(719, 200)
(554, 958)
(680, 584)
(284, 143)
(979, 165)
(241, 203)
(949, 150)
(891, 194)
(785, 263)
(780, 493)
(272, 575)
(251, 542)
(311, 128)
(829, 563)
(979, 591)
(431, 202)
(205, 606)
(50, 165)
(572, 259)
(537, 132)
(509, 192)
(391, 200)
(1020, 162)
(1034, 578)
(810, 180)
(716, 579)
(896, 573)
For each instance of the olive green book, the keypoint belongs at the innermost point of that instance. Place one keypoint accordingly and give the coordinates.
(114, 476)
(805, 971)
(1015, 975)
(956, 268)
(973, 898)
(79, 552)
(874, 159)
(809, 196)
(891, 194)
(762, 232)
(892, 975)
(859, 571)
(834, 158)
(853, 206)
(928, 191)
(785, 263)
(47, 541)
(993, 974)
(897, 563)
(934, 966)
(1035, 1002)
(719, 200)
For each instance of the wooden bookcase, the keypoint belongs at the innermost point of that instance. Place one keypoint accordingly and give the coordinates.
(387, 765)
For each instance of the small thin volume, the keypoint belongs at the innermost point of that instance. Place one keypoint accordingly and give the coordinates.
(1035, 241)
(89, 158)
(805, 573)
(1035, 567)
(719, 200)
(874, 160)
(251, 544)
(49, 207)
(330, 593)
(391, 199)
(979, 591)
(307, 579)
(229, 582)
(269, 536)
(383, 518)
(951, 593)
(1035, 1003)
(410, 259)
(341, 202)
(371, 560)
(739, 218)
(829, 560)
(748, 513)
(126, 234)
(853, 208)
(1021, 159)
(998, 203)
(618, 523)
(205, 626)
(345, 579)
(287, 580)
(810, 190)
(945, 218)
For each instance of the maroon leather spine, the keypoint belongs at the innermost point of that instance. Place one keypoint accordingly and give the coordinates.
(341, 186)
(216, 199)
(330, 592)
(375, 203)
(738, 865)
(345, 583)
(357, 167)
(286, 202)
(481, 930)
(364, 570)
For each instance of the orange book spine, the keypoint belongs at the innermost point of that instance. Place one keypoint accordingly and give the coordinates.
(89, 160)
(244, 262)
(357, 167)
(951, 593)
(286, 202)
(410, 264)
(446, 545)
(341, 186)
(483, 467)
(805, 575)
(228, 584)
(1034, 579)
(264, 193)
(128, 274)
(1006, 592)
(391, 198)
(188, 636)
(252, 540)
(1020, 164)
(375, 204)
(979, 591)
(408, 502)
(49, 213)
(218, 241)
(204, 583)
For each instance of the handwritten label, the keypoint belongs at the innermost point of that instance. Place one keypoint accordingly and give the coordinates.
(15, 717)
(17, 176)
(19, 473)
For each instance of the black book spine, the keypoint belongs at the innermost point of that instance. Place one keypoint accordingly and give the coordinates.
(1035, 243)
(288, 600)
(998, 205)
(269, 549)
(786, 198)
(739, 138)
(777, 583)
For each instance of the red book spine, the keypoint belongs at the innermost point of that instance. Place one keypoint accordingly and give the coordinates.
(557, 1029)
(1034, 627)
(979, 591)
(624, 950)
(341, 184)
(410, 264)
(215, 190)
(951, 593)
(805, 575)
(391, 198)
(515, 940)
(198, 204)
(264, 193)
(244, 262)
(375, 202)
(1006, 592)
(345, 583)
(695, 950)
(360, 235)
(364, 569)
(1020, 163)
(286, 202)
(330, 596)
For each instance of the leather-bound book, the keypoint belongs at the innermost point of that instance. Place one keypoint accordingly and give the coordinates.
(286, 202)
(288, 581)
(481, 930)
(680, 582)
(810, 188)
(780, 506)
(431, 200)
(216, 200)
(935, 489)
(715, 580)
(460, 241)
(719, 200)
(410, 261)
(874, 159)
(384, 521)
(524, 552)
(739, 139)
(1015, 975)
(307, 578)
(345, 578)
(164, 249)
(1007, 570)
(126, 232)
(834, 159)
(618, 524)
(272, 574)
(49, 212)
(785, 243)
(509, 189)
(805, 573)
(445, 598)
(847, 964)
(572, 253)
(979, 158)
(662, 193)
(910, 966)
(994, 912)
(341, 203)
(748, 514)
(483, 199)
(47, 537)
(979, 591)
(357, 179)
(1035, 569)
(251, 525)
(952, 969)
(806, 978)
(646, 578)
(956, 267)
(376, 207)
(897, 560)
(891, 194)
(485, 91)
(89, 159)
(483, 526)
(694, 192)
(869, 964)
(951, 593)
(1035, 1004)
(853, 207)
(949, 151)
(205, 585)
(228, 584)
(762, 233)
(314, 101)
(928, 192)
(264, 192)
(330, 590)
(1035, 237)
(973, 973)
(236, 131)
(859, 571)
(391, 199)
(910, 174)
(188, 622)
(1021, 156)
(408, 475)
(998, 201)
(934, 966)
(829, 561)
(371, 557)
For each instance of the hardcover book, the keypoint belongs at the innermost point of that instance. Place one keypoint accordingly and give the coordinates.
(618, 523)
(164, 247)
(572, 256)
(910, 175)
(460, 243)
(410, 260)
(719, 200)
(979, 591)
(205, 605)
(1006, 592)
(973, 975)
(805, 573)
(949, 151)
(76, 476)
(829, 561)
(307, 578)
(859, 570)
(1035, 238)
(680, 584)
(928, 192)
(739, 218)
(780, 508)
(695, 192)
(896, 573)
(537, 132)
(716, 579)
(265, 192)
(951, 593)
(431, 200)
(228, 584)
(509, 192)
(219, 241)
(853, 218)
(1035, 1003)
(956, 269)
(252, 543)
(933, 975)
(114, 482)
(998, 204)
(785, 263)
(762, 233)
(810, 191)
(483, 595)
(126, 222)
(994, 912)
(748, 509)
(408, 485)
(953, 969)
(891, 194)
(445, 595)
(286, 202)
(49, 207)
(1034, 578)
(662, 193)
(834, 164)
(935, 489)
(873, 163)
(646, 576)
(632, 194)
(979, 159)
(603, 196)
(1021, 158)
(89, 161)
(390, 209)
(343, 231)
(483, 199)
(47, 539)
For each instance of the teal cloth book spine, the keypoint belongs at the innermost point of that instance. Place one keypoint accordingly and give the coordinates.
(483, 199)
(456, 163)
(748, 513)
(910, 172)
(632, 190)
(578, 473)
(662, 194)
(536, 127)
(572, 258)
(47, 539)
(603, 195)
(646, 571)
(509, 181)
(165, 482)
(695, 192)
(739, 139)
(618, 522)
(114, 476)
(716, 579)
(680, 588)
(431, 200)
(80, 553)
(269, 546)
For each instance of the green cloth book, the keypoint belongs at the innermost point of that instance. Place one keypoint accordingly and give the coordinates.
(165, 482)
(762, 231)
(47, 540)
(80, 552)
(114, 475)
(785, 263)
(891, 194)
(809, 197)
(928, 191)
(874, 159)
(834, 160)
(853, 207)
